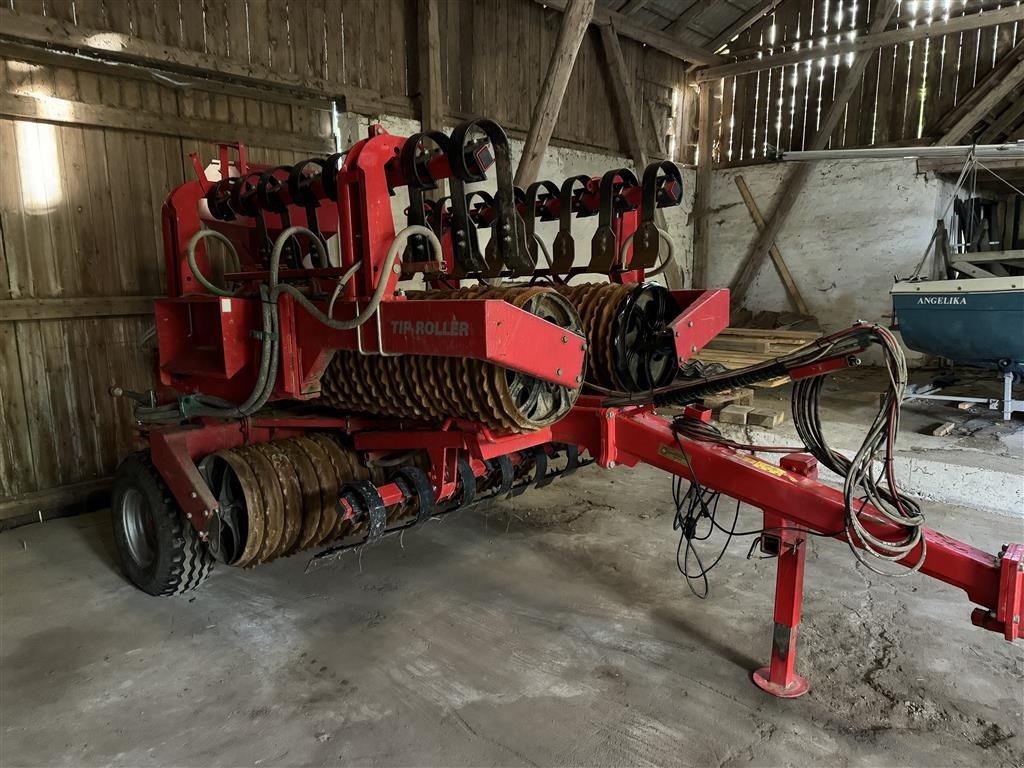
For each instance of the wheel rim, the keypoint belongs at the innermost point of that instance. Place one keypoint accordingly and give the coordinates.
(645, 355)
(139, 527)
(229, 528)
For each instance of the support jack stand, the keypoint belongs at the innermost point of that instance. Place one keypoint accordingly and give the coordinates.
(780, 678)
(789, 545)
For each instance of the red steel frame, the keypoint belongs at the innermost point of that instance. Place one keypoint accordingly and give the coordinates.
(792, 499)
(790, 495)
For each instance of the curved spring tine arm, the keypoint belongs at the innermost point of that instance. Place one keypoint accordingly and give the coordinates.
(647, 243)
(509, 229)
(603, 250)
(564, 250)
(419, 180)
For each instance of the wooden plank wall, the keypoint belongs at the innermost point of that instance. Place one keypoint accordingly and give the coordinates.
(494, 54)
(906, 93)
(90, 147)
(80, 219)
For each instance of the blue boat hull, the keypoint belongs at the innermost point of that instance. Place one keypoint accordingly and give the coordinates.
(983, 329)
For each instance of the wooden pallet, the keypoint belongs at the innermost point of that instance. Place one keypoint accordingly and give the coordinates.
(742, 347)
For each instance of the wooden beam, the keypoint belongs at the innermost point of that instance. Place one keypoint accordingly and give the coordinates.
(792, 291)
(114, 46)
(431, 91)
(633, 6)
(77, 497)
(64, 111)
(922, 16)
(869, 42)
(33, 53)
(629, 28)
(575, 22)
(1005, 121)
(743, 23)
(682, 22)
(702, 188)
(985, 104)
(953, 167)
(795, 181)
(628, 121)
(626, 116)
(14, 310)
(981, 87)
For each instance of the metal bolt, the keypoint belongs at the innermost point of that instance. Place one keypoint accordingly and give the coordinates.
(397, 268)
(558, 372)
(579, 379)
(610, 415)
(206, 513)
(194, 494)
(565, 339)
(611, 465)
(693, 348)
(689, 323)
(188, 515)
(1016, 619)
(507, 239)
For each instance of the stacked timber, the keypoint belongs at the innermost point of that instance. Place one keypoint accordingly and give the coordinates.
(742, 347)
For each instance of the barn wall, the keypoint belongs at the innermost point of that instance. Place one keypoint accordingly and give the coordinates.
(363, 53)
(89, 147)
(862, 223)
(82, 253)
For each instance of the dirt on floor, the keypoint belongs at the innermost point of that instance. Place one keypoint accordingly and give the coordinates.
(554, 629)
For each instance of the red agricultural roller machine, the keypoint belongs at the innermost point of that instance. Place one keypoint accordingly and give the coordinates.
(327, 378)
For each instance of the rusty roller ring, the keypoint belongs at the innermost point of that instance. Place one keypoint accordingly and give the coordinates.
(309, 487)
(291, 494)
(327, 479)
(273, 502)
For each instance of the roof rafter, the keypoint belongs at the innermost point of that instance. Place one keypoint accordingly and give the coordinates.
(626, 27)
(868, 42)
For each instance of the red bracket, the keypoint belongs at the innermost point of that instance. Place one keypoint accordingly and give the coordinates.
(1006, 618)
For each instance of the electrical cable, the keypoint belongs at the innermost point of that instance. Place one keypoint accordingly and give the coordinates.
(702, 503)
(869, 476)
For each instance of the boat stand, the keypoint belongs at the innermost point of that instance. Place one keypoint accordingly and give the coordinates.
(1007, 404)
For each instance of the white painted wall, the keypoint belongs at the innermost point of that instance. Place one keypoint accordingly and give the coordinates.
(854, 226)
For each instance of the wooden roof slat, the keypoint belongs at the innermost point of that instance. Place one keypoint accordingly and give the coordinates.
(866, 42)
(626, 27)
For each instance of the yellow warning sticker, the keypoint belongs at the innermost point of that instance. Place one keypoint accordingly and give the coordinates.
(764, 466)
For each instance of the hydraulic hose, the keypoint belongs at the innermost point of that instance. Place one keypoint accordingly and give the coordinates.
(664, 262)
(190, 252)
(269, 294)
(367, 312)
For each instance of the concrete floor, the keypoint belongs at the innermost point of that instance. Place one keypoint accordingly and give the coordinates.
(554, 630)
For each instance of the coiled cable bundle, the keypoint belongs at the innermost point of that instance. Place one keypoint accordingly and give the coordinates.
(868, 476)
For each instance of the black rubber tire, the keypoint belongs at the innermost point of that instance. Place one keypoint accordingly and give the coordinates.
(177, 560)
